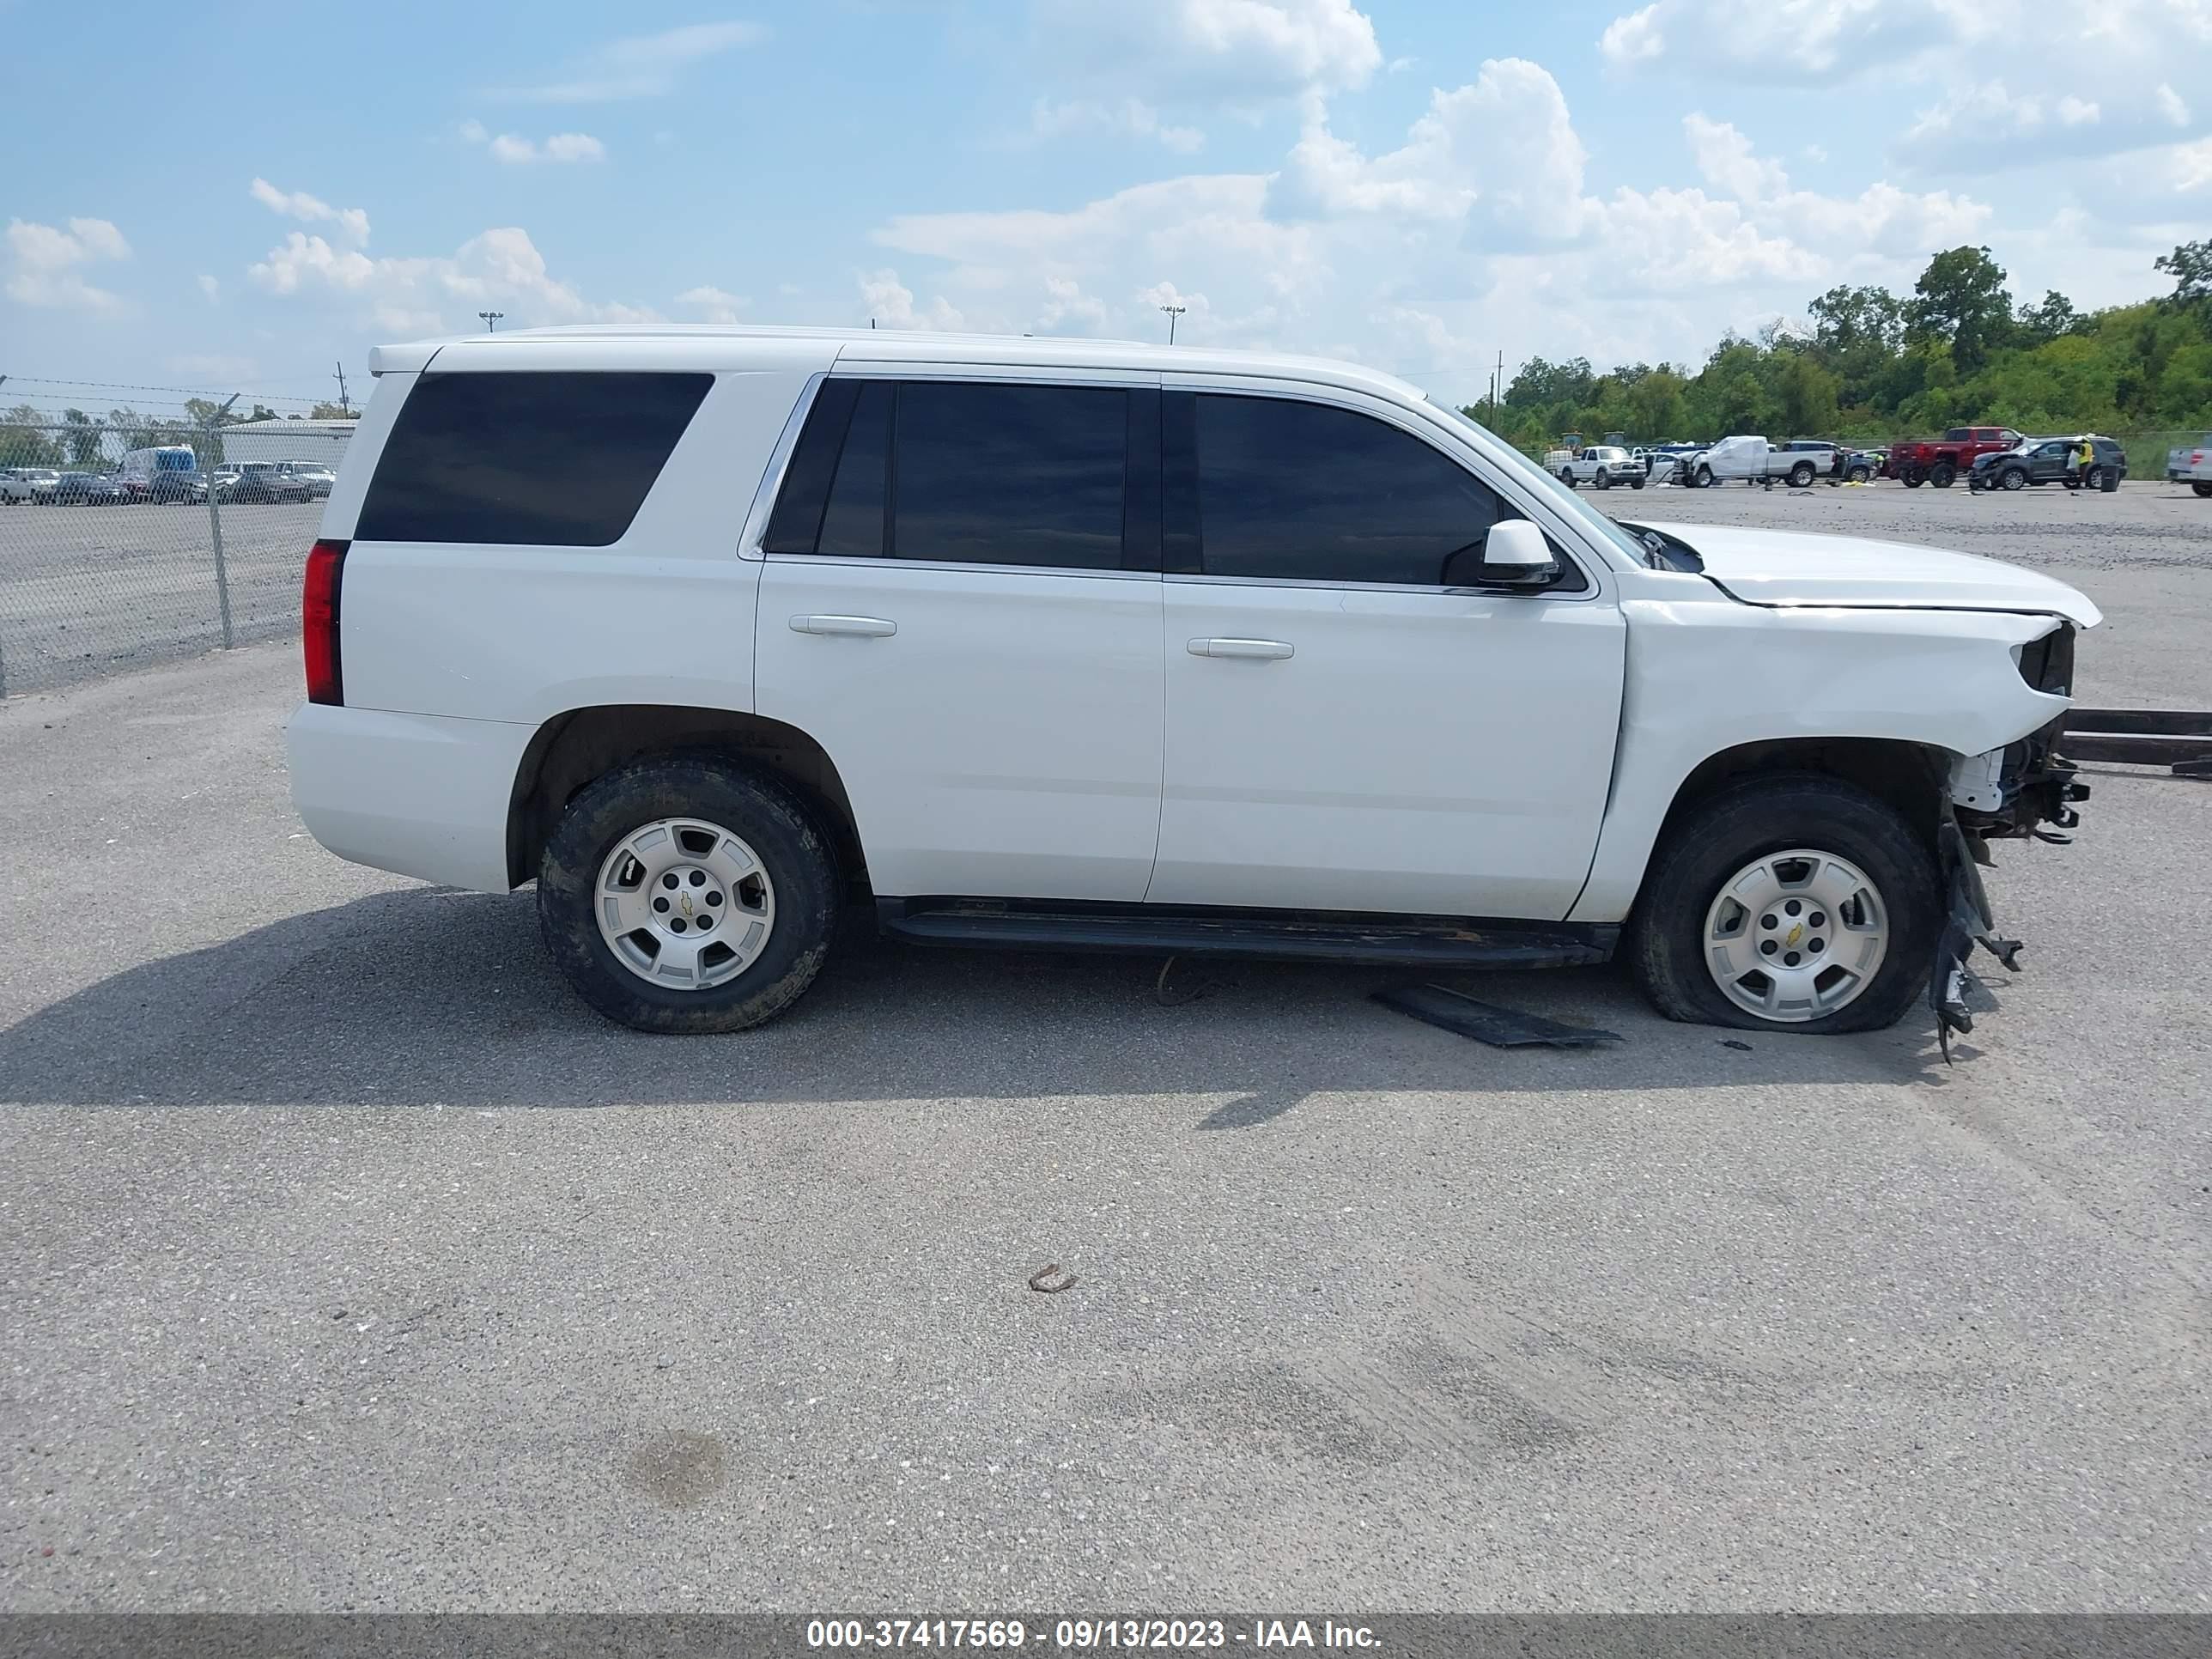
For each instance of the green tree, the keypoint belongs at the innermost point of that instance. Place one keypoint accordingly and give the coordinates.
(1960, 300)
(2190, 267)
(2039, 324)
(1657, 411)
(1807, 393)
(1542, 384)
(1847, 319)
(333, 412)
(81, 436)
(26, 438)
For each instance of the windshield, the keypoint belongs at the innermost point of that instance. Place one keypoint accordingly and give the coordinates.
(1564, 501)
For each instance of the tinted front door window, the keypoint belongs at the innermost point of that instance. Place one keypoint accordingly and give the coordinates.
(1303, 492)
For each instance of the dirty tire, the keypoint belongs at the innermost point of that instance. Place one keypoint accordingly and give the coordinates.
(1861, 475)
(1709, 843)
(2108, 480)
(750, 804)
(1800, 475)
(1705, 479)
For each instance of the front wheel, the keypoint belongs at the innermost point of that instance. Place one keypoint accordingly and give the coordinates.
(2015, 478)
(1793, 902)
(1705, 479)
(2203, 490)
(1942, 474)
(688, 895)
(1604, 479)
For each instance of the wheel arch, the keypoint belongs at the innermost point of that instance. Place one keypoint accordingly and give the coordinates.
(1907, 775)
(571, 749)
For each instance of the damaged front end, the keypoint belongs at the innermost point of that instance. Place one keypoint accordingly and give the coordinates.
(2026, 790)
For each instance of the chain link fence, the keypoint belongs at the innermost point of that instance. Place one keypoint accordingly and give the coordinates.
(113, 556)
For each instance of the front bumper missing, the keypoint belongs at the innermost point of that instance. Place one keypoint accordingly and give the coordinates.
(2011, 793)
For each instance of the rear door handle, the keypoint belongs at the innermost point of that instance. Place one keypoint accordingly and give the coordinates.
(1258, 650)
(867, 627)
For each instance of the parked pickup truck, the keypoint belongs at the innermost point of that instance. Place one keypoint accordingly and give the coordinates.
(2191, 465)
(1942, 461)
(1605, 465)
(1752, 461)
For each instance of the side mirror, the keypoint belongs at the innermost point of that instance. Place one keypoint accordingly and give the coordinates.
(1514, 554)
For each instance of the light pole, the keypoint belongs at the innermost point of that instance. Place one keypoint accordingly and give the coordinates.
(491, 320)
(1173, 312)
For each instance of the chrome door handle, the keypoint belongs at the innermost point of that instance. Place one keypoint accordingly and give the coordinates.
(1257, 650)
(866, 628)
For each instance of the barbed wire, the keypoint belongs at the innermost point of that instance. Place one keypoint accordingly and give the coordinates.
(182, 391)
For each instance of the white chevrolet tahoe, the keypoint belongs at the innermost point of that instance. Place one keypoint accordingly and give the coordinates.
(1042, 643)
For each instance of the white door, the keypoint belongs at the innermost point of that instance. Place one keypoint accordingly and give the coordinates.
(1345, 730)
(980, 666)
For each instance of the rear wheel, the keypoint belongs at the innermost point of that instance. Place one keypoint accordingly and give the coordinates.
(687, 895)
(2203, 489)
(1800, 475)
(1795, 902)
(1567, 476)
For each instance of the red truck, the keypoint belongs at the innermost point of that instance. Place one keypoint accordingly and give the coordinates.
(1940, 461)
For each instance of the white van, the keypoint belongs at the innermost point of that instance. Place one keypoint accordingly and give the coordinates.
(1071, 644)
(167, 472)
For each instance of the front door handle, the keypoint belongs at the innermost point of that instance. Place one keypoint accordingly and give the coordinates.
(866, 628)
(1257, 650)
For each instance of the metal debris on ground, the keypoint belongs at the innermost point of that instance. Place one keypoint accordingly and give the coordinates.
(1043, 1279)
(1485, 1022)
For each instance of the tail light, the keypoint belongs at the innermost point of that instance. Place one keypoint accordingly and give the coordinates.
(318, 622)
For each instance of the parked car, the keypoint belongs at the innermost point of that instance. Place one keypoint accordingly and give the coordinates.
(933, 678)
(267, 481)
(24, 485)
(164, 473)
(1752, 461)
(1605, 465)
(1665, 460)
(318, 479)
(2050, 460)
(2191, 465)
(86, 489)
(223, 480)
(1940, 461)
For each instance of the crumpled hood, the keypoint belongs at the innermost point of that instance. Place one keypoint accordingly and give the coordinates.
(1793, 567)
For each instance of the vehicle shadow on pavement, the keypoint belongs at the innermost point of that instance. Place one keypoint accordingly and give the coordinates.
(422, 997)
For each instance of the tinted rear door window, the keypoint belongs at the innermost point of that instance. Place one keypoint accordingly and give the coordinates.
(558, 459)
(1028, 475)
(1303, 492)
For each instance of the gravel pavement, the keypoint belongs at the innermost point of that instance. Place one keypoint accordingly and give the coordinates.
(350, 1263)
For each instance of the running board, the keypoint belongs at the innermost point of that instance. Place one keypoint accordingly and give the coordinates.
(1295, 935)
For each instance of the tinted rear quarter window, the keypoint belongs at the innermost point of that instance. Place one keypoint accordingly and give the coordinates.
(546, 459)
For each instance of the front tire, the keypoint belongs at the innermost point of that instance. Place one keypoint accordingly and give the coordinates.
(2203, 490)
(1942, 474)
(1604, 479)
(2014, 478)
(1705, 479)
(658, 841)
(1719, 893)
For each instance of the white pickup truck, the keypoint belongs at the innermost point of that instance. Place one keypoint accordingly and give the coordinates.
(1752, 461)
(2191, 465)
(1604, 466)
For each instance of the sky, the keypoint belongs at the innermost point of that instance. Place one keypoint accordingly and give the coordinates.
(241, 201)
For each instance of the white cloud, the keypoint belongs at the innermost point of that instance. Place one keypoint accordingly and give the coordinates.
(1725, 160)
(1805, 41)
(514, 149)
(636, 66)
(473, 131)
(1478, 229)
(2171, 109)
(890, 304)
(1132, 116)
(352, 222)
(1986, 126)
(499, 269)
(1236, 52)
(211, 287)
(41, 258)
(2077, 112)
(714, 304)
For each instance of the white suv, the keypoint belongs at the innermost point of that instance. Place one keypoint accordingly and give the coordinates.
(1060, 643)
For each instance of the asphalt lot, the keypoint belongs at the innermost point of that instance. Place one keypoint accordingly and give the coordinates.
(350, 1263)
(87, 590)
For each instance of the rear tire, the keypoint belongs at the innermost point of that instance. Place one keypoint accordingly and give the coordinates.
(2203, 490)
(1709, 846)
(1800, 475)
(774, 827)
